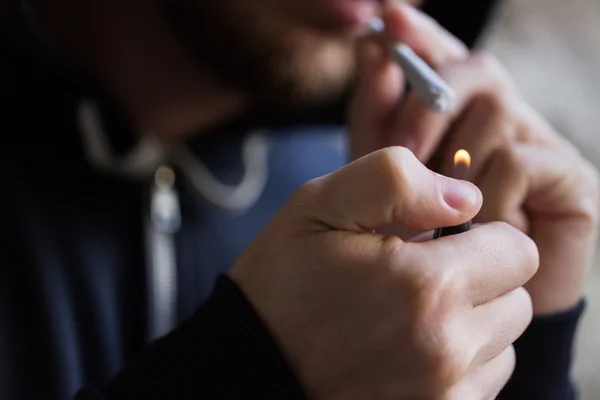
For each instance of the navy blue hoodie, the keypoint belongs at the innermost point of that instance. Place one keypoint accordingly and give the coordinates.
(113, 280)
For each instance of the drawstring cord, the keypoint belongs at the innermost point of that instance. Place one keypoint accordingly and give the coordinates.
(149, 155)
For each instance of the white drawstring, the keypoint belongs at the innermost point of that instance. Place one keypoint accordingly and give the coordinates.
(149, 155)
(235, 198)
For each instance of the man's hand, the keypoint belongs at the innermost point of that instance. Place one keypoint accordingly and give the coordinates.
(360, 315)
(529, 175)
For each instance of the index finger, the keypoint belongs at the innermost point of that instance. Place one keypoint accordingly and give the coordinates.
(437, 47)
(484, 263)
(405, 24)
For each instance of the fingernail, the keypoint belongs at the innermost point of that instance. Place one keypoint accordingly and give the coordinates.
(459, 195)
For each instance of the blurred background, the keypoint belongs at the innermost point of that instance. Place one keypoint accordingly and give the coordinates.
(552, 48)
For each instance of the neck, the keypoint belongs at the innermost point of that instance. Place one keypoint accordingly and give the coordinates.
(130, 48)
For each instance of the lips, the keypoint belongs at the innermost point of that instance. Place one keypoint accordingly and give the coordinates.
(352, 12)
(331, 15)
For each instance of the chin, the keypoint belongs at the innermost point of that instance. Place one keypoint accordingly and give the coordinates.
(272, 56)
(303, 66)
(312, 74)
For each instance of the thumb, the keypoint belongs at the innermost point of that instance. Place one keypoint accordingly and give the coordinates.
(375, 101)
(392, 186)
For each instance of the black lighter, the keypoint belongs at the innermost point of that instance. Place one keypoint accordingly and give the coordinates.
(462, 163)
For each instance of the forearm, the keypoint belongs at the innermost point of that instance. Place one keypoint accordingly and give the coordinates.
(544, 359)
(223, 351)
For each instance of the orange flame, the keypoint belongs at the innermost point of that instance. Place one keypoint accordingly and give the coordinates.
(462, 157)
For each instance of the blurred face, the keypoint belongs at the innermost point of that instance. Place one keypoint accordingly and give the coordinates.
(293, 52)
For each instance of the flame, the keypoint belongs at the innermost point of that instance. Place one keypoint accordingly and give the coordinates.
(462, 157)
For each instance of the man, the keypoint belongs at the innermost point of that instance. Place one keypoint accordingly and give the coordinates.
(154, 140)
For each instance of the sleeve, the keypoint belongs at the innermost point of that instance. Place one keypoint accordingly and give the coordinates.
(544, 359)
(222, 352)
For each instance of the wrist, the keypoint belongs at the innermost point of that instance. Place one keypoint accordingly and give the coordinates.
(544, 358)
(551, 299)
(556, 306)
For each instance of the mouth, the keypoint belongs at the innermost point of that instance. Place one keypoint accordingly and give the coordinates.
(352, 13)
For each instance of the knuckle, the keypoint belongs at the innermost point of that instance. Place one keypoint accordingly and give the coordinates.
(308, 198)
(531, 253)
(485, 59)
(393, 250)
(507, 158)
(525, 305)
(300, 206)
(591, 180)
(495, 104)
(505, 364)
(493, 67)
(438, 290)
(450, 364)
(510, 360)
(393, 165)
(507, 155)
(522, 246)
(306, 191)
(436, 297)
(594, 177)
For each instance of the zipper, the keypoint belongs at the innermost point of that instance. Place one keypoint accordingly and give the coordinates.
(162, 223)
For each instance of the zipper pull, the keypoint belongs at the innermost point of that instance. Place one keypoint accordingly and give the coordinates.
(164, 222)
(165, 211)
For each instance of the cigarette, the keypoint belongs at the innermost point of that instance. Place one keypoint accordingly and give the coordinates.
(462, 164)
(431, 88)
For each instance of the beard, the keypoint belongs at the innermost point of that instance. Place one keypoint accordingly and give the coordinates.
(250, 47)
